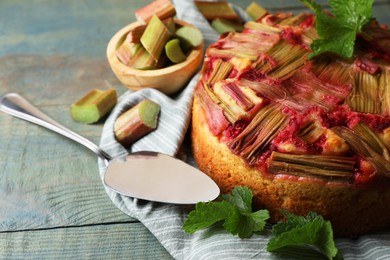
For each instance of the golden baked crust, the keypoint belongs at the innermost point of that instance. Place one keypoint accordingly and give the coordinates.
(352, 211)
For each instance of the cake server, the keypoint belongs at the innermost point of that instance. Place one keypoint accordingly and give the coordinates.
(144, 175)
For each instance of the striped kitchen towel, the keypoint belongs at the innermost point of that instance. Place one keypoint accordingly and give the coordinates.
(165, 221)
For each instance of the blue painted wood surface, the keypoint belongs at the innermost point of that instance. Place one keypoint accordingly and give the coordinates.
(52, 202)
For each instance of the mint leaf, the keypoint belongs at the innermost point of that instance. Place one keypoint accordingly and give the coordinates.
(294, 221)
(298, 231)
(355, 13)
(337, 32)
(207, 214)
(234, 211)
(244, 225)
(259, 217)
(241, 197)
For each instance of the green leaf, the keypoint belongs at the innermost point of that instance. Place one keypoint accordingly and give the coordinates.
(299, 231)
(206, 214)
(337, 31)
(354, 13)
(234, 211)
(241, 197)
(328, 44)
(260, 217)
(237, 224)
(245, 225)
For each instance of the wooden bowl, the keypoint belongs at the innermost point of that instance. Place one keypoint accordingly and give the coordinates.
(168, 80)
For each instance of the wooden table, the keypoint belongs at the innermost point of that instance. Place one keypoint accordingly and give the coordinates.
(52, 202)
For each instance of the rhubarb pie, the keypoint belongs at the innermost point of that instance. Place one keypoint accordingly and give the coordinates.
(303, 134)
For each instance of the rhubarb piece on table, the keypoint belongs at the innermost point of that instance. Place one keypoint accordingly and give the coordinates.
(137, 122)
(222, 26)
(94, 105)
(214, 10)
(255, 11)
(155, 36)
(174, 51)
(162, 8)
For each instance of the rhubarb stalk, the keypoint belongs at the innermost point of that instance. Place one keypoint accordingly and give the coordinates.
(155, 37)
(322, 166)
(162, 8)
(255, 11)
(174, 51)
(94, 105)
(136, 122)
(213, 10)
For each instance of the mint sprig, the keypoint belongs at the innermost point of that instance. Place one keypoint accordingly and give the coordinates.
(337, 31)
(234, 212)
(300, 231)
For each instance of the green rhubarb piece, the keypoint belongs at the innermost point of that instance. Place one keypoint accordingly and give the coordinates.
(161, 8)
(94, 105)
(136, 122)
(190, 37)
(255, 11)
(222, 26)
(174, 52)
(148, 112)
(142, 60)
(155, 36)
(217, 9)
(170, 24)
(126, 51)
(135, 48)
